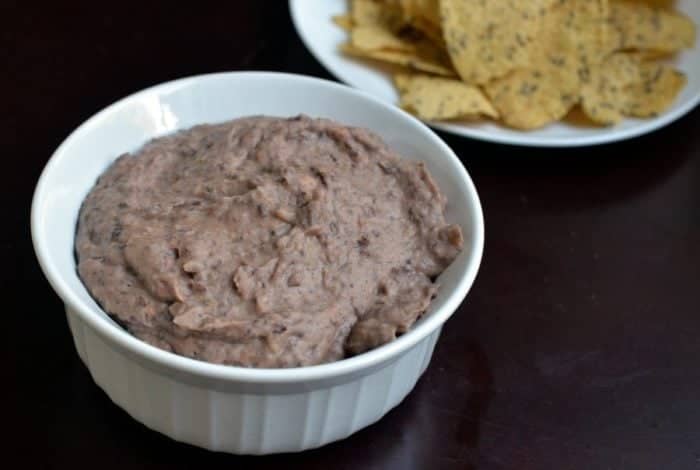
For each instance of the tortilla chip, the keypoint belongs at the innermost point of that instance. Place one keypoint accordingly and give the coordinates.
(419, 62)
(580, 31)
(534, 97)
(420, 15)
(424, 15)
(649, 55)
(561, 59)
(638, 26)
(441, 98)
(603, 97)
(626, 86)
(378, 42)
(429, 10)
(343, 21)
(577, 118)
(667, 4)
(371, 13)
(489, 39)
(535, 60)
(431, 31)
(657, 89)
(371, 38)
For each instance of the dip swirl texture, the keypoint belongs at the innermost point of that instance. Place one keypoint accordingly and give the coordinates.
(265, 242)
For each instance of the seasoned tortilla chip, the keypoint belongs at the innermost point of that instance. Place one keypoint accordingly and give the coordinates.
(343, 21)
(419, 15)
(431, 31)
(426, 9)
(560, 62)
(489, 39)
(371, 38)
(637, 26)
(371, 13)
(626, 86)
(667, 4)
(657, 89)
(530, 62)
(441, 98)
(419, 62)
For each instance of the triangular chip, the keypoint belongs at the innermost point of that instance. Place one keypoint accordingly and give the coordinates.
(372, 38)
(422, 62)
(626, 86)
(434, 98)
(371, 13)
(544, 91)
(637, 26)
(489, 39)
(657, 89)
(429, 10)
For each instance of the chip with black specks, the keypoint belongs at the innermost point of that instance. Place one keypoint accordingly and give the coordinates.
(433, 98)
(625, 85)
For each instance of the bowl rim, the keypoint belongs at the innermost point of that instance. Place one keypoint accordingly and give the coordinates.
(126, 341)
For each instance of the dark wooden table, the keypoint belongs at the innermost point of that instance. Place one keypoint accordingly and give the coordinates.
(577, 348)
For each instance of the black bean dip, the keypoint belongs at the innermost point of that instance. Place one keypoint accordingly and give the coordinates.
(265, 242)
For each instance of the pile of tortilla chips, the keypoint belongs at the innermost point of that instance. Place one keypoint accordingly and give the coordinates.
(524, 63)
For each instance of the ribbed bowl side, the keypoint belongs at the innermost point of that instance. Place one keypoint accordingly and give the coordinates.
(243, 423)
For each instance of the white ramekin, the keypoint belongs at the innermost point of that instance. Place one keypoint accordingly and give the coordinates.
(234, 409)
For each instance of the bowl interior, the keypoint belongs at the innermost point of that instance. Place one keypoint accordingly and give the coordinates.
(129, 123)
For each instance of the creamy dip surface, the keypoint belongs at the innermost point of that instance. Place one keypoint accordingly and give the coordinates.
(265, 242)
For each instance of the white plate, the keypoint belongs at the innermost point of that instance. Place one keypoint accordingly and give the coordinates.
(312, 20)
